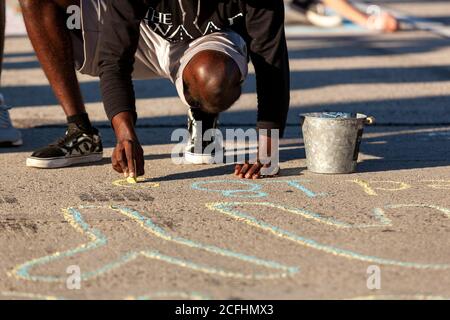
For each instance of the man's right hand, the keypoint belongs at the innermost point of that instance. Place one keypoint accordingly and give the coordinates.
(383, 23)
(128, 156)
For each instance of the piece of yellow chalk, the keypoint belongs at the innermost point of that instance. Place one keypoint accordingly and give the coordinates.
(131, 180)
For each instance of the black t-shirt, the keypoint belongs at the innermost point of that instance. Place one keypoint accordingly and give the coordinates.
(186, 20)
(259, 22)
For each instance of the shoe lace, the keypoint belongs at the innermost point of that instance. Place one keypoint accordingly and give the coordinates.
(71, 134)
(68, 136)
(5, 120)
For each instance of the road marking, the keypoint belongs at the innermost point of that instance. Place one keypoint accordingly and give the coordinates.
(414, 23)
(422, 24)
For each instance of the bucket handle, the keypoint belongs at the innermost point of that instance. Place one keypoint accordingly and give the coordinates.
(368, 121)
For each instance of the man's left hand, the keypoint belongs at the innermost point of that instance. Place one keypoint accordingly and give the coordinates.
(253, 171)
(258, 170)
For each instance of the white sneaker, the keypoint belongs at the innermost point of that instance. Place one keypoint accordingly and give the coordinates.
(317, 14)
(9, 136)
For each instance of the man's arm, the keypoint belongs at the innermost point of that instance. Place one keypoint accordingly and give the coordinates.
(268, 52)
(119, 39)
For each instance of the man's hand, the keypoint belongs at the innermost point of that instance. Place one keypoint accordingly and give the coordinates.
(257, 170)
(251, 171)
(384, 23)
(128, 156)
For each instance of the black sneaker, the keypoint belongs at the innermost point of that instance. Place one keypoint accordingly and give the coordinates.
(199, 151)
(76, 147)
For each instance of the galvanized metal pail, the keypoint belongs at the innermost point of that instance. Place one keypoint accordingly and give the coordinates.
(332, 143)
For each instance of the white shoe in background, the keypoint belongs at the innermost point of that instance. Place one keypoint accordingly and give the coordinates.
(9, 136)
(316, 14)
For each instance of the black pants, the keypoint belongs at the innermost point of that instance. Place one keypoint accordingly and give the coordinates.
(304, 3)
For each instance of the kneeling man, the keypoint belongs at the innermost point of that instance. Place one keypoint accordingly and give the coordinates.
(202, 46)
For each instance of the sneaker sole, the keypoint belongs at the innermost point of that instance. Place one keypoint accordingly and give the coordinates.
(194, 158)
(63, 162)
(323, 22)
(16, 143)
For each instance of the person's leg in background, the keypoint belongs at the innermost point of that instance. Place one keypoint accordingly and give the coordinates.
(381, 22)
(317, 14)
(9, 136)
(47, 29)
(314, 12)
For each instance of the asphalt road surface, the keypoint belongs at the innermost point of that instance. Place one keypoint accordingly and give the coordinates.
(197, 232)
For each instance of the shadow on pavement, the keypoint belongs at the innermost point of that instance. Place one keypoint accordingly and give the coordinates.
(327, 47)
(25, 96)
(392, 148)
(363, 46)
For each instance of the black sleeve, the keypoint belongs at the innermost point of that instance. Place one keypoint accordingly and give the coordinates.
(268, 52)
(119, 39)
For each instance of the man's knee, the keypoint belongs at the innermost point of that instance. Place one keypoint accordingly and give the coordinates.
(213, 81)
(28, 4)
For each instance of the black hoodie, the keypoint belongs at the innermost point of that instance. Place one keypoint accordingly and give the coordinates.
(259, 22)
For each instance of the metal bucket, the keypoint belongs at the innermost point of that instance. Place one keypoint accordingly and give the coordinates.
(332, 140)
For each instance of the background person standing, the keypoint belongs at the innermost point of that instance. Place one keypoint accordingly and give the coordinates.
(9, 136)
(318, 13)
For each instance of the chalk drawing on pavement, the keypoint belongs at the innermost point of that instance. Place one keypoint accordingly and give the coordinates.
(443, 210)
(150, 296)
(26, 295)
(171, 295)
(377, 214)
(229, 209)
(253, 189)
(439, 184)
(297, 184)
(142, 183)
(370, 189)
(400, 297)
(97, 240)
